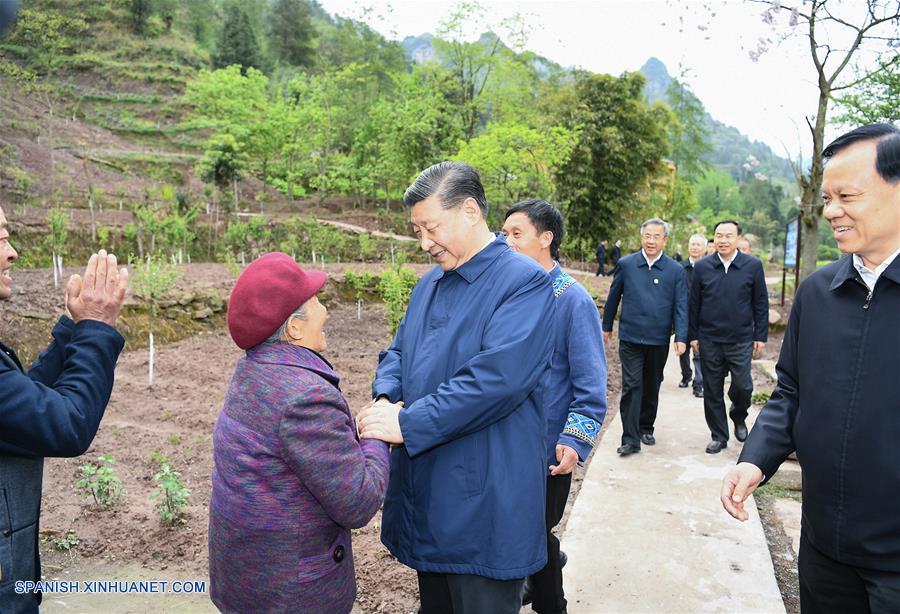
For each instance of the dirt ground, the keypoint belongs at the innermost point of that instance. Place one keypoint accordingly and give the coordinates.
(175, 419)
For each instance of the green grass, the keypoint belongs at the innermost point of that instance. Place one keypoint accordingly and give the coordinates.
(779, 492)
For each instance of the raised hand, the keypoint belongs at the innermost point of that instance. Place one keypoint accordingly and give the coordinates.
(101, 293)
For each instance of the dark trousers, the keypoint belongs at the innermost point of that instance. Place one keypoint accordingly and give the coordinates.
(601, 268)
(547, 584)
(642, 374)
(698, 372)
(447, 593)
(685, 362)
(716, 360)
(829, 586)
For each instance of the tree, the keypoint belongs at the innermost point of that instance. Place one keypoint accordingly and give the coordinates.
(471, 63)
(152, 278)
(140, 11)
(837, 34)
(290, 32)
(875, 100)
(621, 148)
(51, 35)
(167, 9)
(222, 164)
(516, 161)
(237, 42)
(689, 134)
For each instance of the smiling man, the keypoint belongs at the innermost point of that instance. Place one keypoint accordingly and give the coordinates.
(465, 502)
(52, 409)
(651, 288)
(576, 392)
(729, 323)
(836, 400)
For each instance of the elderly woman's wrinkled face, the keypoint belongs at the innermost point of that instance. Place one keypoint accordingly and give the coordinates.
(310, 333)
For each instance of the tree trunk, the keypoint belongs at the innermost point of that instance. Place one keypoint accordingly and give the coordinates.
(811, 197)
(93, 217)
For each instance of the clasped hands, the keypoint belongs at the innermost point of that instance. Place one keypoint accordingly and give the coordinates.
(380, 419)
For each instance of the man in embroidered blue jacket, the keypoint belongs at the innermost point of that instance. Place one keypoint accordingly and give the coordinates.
(575, 400)
(651, 287)
(465, 501)
(53, 409)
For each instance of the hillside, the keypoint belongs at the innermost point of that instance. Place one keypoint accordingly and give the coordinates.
(730, 147)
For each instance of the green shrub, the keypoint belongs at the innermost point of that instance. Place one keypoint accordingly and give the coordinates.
(395, 286)
(172, 495)
(66, 543)
(100, 481)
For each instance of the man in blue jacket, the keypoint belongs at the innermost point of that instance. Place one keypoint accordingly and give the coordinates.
(729, 323)
(836, 400)
(651, 287)
(575, 399)
(53, 409)
(465, 502)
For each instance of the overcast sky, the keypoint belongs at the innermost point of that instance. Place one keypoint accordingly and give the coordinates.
(711, 42)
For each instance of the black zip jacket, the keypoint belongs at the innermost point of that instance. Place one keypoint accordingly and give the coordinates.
(837, 403)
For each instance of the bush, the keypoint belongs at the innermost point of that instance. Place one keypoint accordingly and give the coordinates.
(101, 482)
(172, 495)
(395, 286)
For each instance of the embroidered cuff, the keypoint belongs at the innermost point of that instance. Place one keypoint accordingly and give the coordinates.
(582, 427)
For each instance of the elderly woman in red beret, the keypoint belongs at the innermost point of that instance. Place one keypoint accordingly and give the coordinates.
(291, 477)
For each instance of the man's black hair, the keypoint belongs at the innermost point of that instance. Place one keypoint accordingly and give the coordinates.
(736, 225)
(544, 217)
(887, 150)
(452, 182)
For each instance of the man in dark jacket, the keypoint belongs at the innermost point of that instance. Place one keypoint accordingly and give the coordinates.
(616, 253)
(465, 501)
(696, 251)
(729, 323)
(651, 287)
(836, 400)
(53, 409)
(601, 258)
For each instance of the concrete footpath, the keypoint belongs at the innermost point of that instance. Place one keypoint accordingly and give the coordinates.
(647, 532)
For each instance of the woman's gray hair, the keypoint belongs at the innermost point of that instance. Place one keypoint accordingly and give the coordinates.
(276, 337)
(655, 221)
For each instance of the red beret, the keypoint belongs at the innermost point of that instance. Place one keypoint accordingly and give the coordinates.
(266, 293)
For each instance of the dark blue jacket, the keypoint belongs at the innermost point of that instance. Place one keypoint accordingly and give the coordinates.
(653, 301)
(53, 410)
(837, 403)
(732, 307)
(470, 360)
(575, 397)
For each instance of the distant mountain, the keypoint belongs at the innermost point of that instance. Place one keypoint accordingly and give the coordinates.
(730, 147)
(419, 49)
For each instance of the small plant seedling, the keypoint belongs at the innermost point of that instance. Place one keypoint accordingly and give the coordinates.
(158, 458)
(174, 439)
(66, 543)
(172, 495)
(101, 482)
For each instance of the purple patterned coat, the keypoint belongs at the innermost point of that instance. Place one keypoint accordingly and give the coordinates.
(290, 480)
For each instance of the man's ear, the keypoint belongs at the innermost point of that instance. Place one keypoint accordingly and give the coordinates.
(472, 210)
(546, 238)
